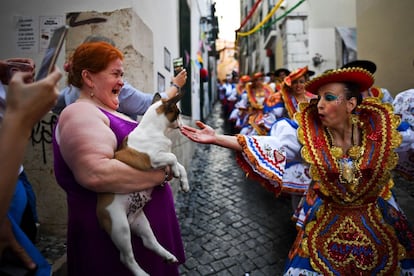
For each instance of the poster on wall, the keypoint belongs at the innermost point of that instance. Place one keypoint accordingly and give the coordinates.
(26, 34)
(47, 25)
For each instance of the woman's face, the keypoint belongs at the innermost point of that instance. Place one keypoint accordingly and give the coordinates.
(257, 82)
(108, 84)
(298, 86)
(333, 107)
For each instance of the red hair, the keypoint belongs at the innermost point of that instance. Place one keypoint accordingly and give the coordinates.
(91, 56)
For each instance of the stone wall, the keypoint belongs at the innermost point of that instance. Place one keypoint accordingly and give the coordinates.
(51, 199)
(131, 36)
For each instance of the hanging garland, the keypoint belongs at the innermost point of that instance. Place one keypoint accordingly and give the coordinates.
(249, 15)
(262, 24)
(258, 26)
(283, 15)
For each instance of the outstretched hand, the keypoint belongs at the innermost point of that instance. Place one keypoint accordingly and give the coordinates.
(204, 135)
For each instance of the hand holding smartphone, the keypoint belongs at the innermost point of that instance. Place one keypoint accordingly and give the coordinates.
(178, 65)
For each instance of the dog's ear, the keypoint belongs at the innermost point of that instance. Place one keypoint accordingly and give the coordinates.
(156, 98)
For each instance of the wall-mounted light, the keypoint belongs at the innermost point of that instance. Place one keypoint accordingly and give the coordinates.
(317, 60)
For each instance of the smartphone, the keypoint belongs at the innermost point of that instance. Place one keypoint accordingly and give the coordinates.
(52, 52)
(15, 66)
(178, 65)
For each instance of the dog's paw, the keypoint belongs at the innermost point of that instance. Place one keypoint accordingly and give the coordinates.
(171, 259)
(185, 187)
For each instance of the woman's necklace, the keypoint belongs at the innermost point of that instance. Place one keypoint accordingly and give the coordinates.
(300, 98)
(348, 164)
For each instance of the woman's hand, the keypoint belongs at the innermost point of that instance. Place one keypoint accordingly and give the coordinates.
(180, 79)
(204, 135)
(176, 83)
(168, 174)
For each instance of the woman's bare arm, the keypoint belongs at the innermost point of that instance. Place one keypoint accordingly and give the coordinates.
(88, 145)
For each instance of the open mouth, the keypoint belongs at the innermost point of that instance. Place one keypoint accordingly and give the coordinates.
(115, 91)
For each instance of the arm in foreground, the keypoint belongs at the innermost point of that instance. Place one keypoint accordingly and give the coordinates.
(26, 105)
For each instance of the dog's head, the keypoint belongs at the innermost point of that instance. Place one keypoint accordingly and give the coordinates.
(169, 108)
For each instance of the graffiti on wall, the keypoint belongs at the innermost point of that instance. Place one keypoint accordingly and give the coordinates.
(42, 134)
(73, 16)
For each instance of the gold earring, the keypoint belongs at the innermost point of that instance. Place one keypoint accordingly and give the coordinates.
(354, 119)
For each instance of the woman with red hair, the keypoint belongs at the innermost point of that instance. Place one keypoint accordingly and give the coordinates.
(88, 133)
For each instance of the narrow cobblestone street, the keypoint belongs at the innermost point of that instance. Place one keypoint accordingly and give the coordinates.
(230, 225)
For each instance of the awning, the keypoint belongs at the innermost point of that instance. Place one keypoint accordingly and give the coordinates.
(348, 35)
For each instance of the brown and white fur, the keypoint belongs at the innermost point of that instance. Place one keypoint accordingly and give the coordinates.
(145, 148)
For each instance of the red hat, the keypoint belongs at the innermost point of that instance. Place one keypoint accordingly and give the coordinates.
(356, 75)
(245, 78)
(258, 75)
(295, 75)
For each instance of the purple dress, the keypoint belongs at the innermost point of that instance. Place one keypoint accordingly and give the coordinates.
(90, 250)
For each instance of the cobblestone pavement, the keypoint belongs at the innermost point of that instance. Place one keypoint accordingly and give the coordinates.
(233, 226)
(230, 225)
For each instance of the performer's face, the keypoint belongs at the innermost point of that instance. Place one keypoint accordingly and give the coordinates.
(333, 106)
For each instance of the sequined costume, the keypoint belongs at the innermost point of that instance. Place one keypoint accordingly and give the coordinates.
(350, 223)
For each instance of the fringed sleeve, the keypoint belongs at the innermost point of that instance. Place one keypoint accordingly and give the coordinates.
(264, 158)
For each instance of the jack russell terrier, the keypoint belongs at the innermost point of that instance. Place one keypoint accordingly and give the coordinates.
(145, 148)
